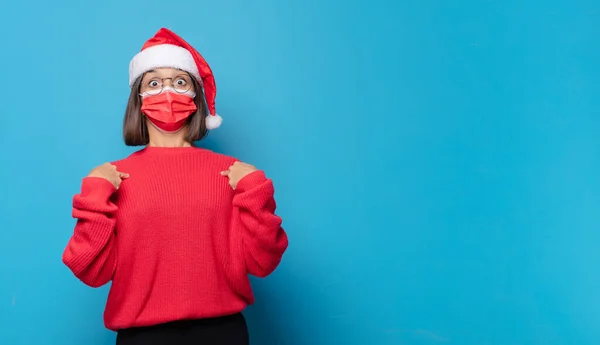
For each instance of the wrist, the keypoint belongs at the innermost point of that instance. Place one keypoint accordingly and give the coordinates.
(250, 181)
(97, 187)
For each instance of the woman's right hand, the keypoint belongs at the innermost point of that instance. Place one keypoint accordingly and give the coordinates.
(110, 173)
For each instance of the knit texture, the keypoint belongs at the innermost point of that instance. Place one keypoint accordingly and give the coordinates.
(176, 241)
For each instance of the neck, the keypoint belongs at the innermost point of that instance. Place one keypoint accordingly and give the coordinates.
(159, 138)
(168, 143)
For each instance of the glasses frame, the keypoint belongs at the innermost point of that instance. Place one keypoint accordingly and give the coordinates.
(154, 92)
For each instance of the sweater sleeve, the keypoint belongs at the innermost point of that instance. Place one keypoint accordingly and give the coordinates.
(264, 239)
(91, 251)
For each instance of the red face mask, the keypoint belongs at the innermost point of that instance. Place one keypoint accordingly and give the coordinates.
(169, 110)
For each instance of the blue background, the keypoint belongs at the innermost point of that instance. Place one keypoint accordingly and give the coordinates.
(436, 162)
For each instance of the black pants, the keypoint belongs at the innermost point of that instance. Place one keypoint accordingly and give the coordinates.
(227, 330)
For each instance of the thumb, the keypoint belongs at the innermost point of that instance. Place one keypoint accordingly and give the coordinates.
(123, 175)
(225, 172)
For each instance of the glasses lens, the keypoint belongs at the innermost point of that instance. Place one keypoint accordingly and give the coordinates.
(153, 92)
(182, 83)
(152, 86)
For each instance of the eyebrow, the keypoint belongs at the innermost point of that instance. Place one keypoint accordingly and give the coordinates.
(181, 73)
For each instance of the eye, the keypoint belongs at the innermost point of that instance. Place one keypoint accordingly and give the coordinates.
(153, 83)
(181, 82)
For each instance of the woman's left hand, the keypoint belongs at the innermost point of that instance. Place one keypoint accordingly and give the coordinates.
(238, 171)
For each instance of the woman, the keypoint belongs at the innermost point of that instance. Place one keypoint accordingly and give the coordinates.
(175, 228)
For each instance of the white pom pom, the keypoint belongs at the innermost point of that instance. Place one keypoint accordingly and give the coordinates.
(213, 121)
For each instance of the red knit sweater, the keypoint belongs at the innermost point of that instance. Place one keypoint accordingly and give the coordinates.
(175, 239)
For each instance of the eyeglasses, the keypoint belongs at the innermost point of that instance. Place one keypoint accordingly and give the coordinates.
(154, 86)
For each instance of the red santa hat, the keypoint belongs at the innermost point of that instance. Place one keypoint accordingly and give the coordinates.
(167, 50)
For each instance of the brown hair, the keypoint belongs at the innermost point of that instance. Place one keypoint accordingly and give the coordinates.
(135, 132)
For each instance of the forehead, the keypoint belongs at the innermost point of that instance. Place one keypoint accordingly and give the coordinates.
(165, 72)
